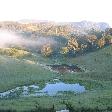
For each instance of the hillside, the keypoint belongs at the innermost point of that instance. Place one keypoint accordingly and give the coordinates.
(53, 28)
(47, 66)
(51, 38)
(17, 72)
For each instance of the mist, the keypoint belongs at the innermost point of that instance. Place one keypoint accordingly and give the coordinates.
(8, 39)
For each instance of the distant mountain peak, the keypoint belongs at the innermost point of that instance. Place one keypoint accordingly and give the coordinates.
(86, 25)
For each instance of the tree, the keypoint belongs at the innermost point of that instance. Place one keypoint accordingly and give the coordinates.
(101, 42)
(108, 39)
(92, 38)
(108, 31)
(64, 50)
(73, 44)
(46, 50)
(97, 33)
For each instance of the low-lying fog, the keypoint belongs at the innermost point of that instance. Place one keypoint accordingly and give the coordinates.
(10, 38)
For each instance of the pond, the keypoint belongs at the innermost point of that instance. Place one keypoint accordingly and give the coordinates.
(50, 89)
(53, 89)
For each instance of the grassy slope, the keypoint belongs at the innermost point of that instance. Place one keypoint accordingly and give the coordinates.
(14, 73)
(100, 61)
(98, 79)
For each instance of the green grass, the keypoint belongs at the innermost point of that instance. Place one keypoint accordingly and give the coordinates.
(99, 61)
(89, 100)
(15, 72)
(97, 80)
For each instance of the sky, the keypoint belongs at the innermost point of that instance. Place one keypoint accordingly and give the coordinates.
(57, 10)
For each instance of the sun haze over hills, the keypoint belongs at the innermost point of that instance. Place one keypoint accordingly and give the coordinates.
(56, 10)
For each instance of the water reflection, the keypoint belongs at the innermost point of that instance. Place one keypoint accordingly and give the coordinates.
(53, 89)
(50, 89)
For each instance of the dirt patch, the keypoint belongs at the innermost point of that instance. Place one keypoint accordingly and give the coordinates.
(64, 68)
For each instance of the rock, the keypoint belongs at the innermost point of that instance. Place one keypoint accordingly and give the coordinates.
(63, 111)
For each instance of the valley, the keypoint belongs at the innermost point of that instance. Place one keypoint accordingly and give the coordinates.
(50, 67)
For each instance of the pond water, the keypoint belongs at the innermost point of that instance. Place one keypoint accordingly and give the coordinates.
(53, 89)
(50, 89)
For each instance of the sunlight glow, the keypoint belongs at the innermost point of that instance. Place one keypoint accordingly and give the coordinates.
(56, 10)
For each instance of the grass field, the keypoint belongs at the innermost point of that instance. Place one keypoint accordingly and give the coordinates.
(97, 80)
(14, 72)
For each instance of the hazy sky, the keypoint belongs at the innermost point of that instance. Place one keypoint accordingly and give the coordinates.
(57, 10)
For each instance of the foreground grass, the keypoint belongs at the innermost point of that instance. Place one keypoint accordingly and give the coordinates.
(97, 80)
(101, 100)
